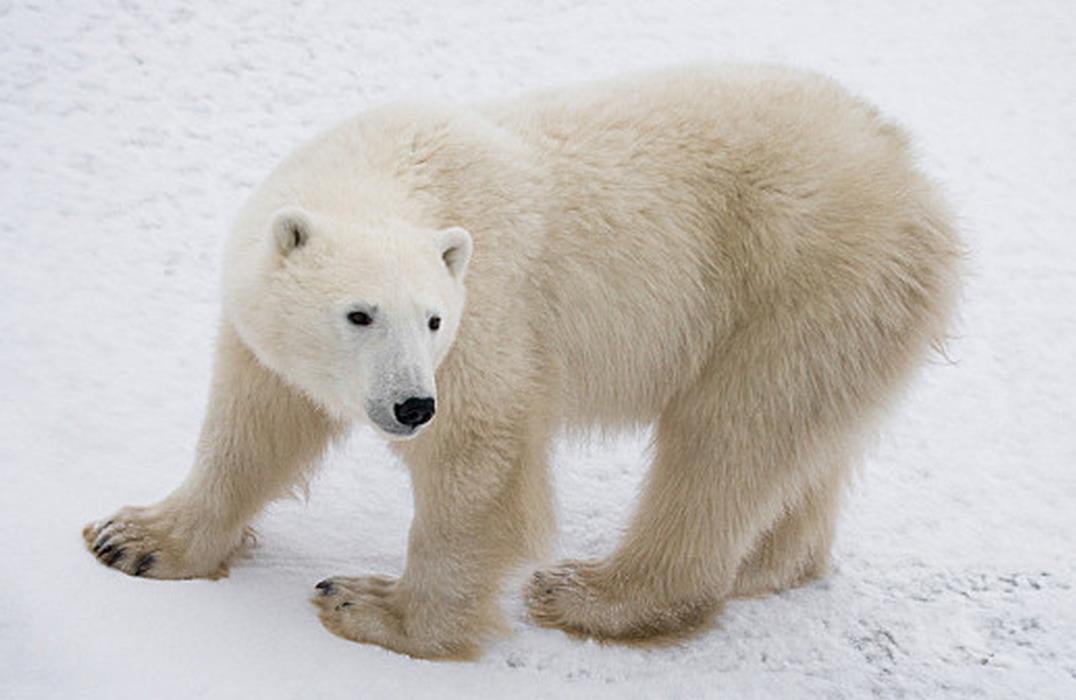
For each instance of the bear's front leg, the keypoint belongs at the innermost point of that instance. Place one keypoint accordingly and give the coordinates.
(258, 436)
(482, 504)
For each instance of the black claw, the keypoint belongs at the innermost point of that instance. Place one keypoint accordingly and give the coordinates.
(104, 551)
(326, 587)
(101, 543)
(116, 556)
(144, 564)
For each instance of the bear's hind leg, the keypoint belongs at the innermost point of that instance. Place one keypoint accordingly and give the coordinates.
(796, 549)
(775, 411)
(705, 501)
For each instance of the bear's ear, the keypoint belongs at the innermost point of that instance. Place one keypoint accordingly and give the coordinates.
(455, 246)
(291, 229)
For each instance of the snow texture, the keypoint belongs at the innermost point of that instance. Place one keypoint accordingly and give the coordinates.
(130, 132)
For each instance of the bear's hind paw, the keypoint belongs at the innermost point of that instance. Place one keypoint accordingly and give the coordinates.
(583, 598)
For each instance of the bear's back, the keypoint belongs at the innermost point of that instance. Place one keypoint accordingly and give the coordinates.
(684, 201)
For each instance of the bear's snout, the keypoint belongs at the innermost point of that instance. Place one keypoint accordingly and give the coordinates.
(415, 411)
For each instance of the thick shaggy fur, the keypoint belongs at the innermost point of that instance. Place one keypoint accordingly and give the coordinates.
(745, 256)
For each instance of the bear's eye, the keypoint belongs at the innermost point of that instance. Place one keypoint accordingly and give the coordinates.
(360, 318)
(435, 322)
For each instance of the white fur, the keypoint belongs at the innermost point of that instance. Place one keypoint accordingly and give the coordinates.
(745, 256)
(288, 295)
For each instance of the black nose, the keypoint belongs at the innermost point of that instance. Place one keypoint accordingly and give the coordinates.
(414, 411)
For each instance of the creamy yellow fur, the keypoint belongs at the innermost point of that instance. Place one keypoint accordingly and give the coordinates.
(745, 255)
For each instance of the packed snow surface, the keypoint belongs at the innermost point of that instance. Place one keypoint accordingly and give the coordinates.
(130, 132)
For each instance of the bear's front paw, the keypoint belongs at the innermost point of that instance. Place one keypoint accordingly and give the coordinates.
(589, 598)
(371, 609)
(150, 542)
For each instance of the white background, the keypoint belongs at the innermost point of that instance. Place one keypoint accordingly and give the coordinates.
(131, 132)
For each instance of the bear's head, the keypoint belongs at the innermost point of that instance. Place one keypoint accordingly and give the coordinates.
(358, 317)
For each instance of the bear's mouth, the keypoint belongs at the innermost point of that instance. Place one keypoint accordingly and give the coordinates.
(399, 432)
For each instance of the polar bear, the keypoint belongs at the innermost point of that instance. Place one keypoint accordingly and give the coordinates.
(744, 257)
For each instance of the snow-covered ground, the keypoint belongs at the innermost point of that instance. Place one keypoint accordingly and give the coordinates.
(131, 131)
